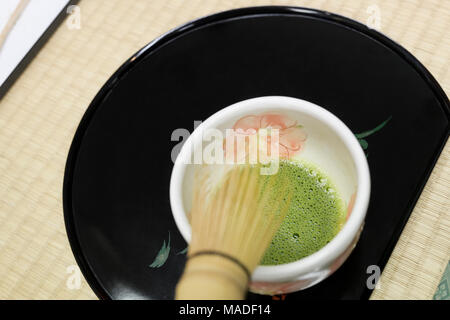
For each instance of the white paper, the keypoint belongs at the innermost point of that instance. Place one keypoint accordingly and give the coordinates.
(32, 23)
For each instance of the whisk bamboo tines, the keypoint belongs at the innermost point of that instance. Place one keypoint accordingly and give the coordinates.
(233, 222)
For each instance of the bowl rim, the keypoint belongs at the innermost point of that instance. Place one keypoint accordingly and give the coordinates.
(337, 246)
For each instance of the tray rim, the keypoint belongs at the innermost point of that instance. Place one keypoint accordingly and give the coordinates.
(239, 13)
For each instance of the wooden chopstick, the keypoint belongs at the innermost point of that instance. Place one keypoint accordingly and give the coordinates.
(12, 20)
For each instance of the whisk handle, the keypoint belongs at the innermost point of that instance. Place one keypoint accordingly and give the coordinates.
(212, 277)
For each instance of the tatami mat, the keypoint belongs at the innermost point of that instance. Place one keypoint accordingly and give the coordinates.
(39, 115)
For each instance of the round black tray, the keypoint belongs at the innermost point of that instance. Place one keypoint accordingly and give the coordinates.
(116, 184)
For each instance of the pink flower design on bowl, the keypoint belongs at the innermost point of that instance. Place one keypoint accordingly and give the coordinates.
(292, 136)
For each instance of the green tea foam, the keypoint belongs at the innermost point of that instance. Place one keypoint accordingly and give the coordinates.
(315, 215)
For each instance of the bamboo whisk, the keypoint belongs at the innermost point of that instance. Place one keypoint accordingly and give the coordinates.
(233, 223)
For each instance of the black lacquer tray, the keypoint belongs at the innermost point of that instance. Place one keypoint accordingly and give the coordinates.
(116, 186)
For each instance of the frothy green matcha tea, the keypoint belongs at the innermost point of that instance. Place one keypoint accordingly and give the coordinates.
(315, 215)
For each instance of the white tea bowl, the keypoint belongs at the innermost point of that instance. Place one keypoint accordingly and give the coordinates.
(330, 145)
